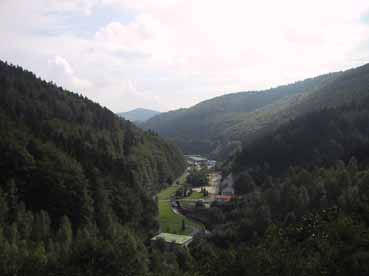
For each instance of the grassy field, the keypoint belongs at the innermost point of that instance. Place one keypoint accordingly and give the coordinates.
(190, 201)
(195, 195)
(171, 222)
(167, 193)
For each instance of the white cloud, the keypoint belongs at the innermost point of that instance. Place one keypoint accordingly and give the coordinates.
(125, 37)
(61, 62)
(174, 52)
(62, 72)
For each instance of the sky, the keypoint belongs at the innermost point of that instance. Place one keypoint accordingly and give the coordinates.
(167, 54)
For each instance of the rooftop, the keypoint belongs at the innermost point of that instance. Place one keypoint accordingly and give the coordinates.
(225, 198)
(196, 158)
(178, 239)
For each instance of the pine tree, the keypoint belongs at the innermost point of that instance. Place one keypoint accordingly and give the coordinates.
(41, 226)
(3, 208)
(104, 218)
(183, 228)
(65, 234)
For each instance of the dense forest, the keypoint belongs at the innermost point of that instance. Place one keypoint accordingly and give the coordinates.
(316, 139)
(72, 170)
(303, 202)
(302, 205)
(307, 223)
(304, 211)
(77, 182)
(221, 126)
(202, 128)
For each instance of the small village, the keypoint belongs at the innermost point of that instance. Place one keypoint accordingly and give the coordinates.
(183, 204)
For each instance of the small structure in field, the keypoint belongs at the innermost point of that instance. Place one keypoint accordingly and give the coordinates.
(180, 240)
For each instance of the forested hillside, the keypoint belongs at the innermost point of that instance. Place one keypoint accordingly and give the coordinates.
(302, 206)
(203, 127)
(308, 223)
(302, 200)
(349, 86)
(221, 126)
(316, 139)
(73, 178)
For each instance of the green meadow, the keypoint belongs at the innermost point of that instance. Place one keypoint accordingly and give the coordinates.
(170, 222)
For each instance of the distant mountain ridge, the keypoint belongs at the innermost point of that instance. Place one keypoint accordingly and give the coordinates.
(220, 126)
(204, 127)
(139, 114)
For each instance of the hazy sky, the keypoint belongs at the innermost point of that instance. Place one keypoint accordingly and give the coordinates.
(165, 54)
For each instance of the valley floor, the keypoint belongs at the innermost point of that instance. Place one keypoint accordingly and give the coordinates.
(170, 220)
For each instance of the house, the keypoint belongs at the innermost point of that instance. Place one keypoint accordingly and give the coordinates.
(211, 164)
(223, 198)
(179, 240)
(196, 160)
(226, 186)
(228, 190)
